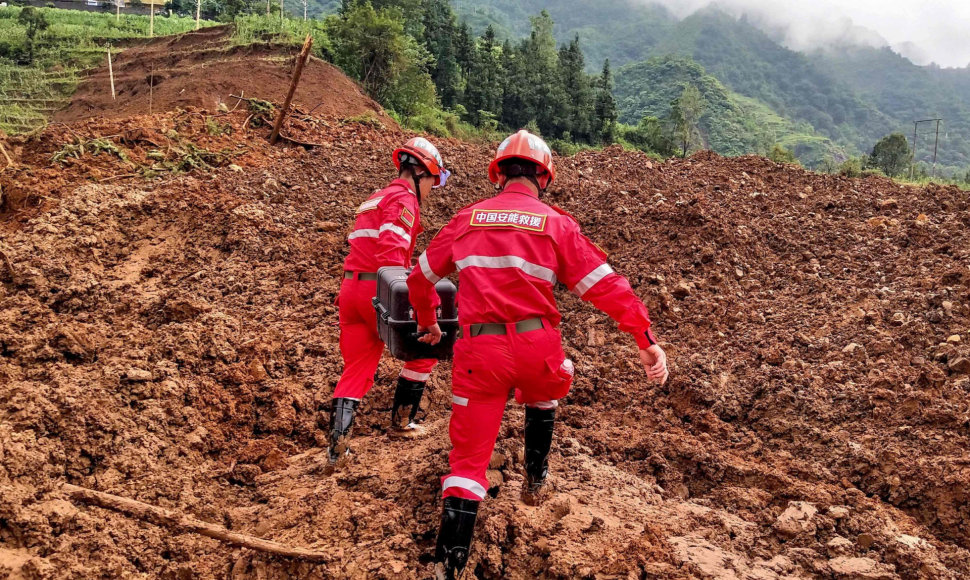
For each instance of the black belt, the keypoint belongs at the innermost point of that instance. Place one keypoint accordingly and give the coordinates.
(499, 328)
(348, 275)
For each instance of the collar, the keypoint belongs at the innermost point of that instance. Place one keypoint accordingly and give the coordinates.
(401, 182)
(519, 188)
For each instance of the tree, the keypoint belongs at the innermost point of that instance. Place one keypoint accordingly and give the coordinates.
(372, 47)
(605, 115)
(651, 135)
(891, 154)
(685, 113)
(486, 81)
(578, 107)
(439, 35)
(34, 21)
(538, 74)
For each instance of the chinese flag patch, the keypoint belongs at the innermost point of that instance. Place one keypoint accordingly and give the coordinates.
(407, 218)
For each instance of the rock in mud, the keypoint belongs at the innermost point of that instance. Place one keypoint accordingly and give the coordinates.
(796, 520)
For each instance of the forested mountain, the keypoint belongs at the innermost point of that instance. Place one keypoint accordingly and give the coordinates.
(906, 92)
(732, 124)
(834, 103)
(851, 96)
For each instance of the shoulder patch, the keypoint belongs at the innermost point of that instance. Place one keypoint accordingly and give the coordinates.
(369, 205)
(407, 218)
(514, 218)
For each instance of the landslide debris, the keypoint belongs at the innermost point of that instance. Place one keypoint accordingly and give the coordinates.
(169, 337)
(202, 69)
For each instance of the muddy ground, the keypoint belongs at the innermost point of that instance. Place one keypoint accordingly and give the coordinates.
(167, 333)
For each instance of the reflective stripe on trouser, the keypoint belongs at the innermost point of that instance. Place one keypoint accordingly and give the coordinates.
(485, 369)
(360, 345)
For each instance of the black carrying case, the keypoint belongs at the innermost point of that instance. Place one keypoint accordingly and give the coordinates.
(396, 321)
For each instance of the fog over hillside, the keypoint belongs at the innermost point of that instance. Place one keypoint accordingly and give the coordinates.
(924, 32)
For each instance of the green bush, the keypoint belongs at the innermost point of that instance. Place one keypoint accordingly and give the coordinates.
(781, 155)
(851, 167)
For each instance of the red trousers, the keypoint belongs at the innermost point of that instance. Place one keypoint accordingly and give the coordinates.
(361, 346)
(485, 369)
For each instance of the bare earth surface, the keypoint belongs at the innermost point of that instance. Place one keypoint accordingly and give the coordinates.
(169, 338)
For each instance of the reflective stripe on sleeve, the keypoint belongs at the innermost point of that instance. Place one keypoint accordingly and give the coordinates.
(529, 268)
(464, 483)
(463, 401)
(413, 376)
(592, 278)
(363, 234)
(426, 269)
(397, 230)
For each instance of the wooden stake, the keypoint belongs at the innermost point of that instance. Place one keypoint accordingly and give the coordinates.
(118, 10)
(151, 30)
(111, 74)
(198, 13)
(182, 523)
(300, 62)
(151, 88)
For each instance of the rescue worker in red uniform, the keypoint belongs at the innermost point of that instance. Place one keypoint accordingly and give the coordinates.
(385, 230)
(510, 250)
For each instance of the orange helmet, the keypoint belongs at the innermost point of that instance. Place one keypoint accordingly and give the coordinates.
(426, 154)
(526, 146)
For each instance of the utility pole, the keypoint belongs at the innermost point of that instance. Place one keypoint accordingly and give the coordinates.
(912, 172)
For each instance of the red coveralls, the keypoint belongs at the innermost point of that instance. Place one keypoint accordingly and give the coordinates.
(510, 250)
(385, 231)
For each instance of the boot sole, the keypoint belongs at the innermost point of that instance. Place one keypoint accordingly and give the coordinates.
(411, 431)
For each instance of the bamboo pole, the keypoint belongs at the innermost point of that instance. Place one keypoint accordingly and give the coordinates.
(111, 74)
(182, 523)
(300, 62)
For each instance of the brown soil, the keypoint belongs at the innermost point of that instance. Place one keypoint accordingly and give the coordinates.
(170, 340)
(202, 69)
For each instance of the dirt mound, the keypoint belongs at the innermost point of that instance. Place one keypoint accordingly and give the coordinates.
(202, 69)
(170, 339)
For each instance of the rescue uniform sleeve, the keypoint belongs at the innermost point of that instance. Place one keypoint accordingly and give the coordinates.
(433, 265)
(398, 224)
(585, 271)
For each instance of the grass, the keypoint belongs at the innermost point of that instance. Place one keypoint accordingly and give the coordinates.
(75, 41)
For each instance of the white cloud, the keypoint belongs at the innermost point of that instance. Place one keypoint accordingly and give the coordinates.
(929, 30)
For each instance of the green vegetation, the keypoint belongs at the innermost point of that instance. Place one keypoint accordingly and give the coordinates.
(40, 63)
(685, 116)
(825, 107)
(891, 155)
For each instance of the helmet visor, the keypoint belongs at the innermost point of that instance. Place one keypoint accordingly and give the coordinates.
(442, 178)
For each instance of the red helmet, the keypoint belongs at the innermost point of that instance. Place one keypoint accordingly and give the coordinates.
(526, 146)
(426, 153)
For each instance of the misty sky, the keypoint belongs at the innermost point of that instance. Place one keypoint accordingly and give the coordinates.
(922, 30)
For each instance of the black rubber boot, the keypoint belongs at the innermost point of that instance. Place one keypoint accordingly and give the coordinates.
(454, 537)
(539, 424)
(341, 421)
(407, 394)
